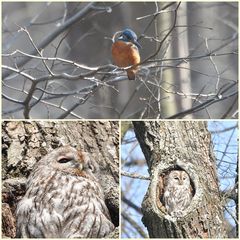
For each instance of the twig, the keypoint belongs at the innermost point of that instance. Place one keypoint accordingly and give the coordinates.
(134, 175)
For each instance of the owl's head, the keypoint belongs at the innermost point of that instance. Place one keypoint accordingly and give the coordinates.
(69, 160)
(178, 177)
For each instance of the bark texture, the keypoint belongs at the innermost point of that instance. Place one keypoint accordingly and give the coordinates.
(187, 146)
(24, 143)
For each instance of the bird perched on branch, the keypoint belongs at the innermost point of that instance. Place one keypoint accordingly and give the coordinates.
(125, 51)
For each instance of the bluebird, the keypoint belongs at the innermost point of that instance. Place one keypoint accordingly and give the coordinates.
(125, 51)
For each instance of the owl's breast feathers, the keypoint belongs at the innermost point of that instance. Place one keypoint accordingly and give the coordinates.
(63, 207)
(125, 54)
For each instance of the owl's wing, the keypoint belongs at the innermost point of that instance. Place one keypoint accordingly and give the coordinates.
(23, 212)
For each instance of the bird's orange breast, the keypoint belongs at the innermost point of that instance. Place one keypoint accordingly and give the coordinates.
(125, 54)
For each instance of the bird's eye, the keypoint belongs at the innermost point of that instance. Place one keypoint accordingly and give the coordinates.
(64, 160)
(90, 166)
(128, 37)
(176, 178)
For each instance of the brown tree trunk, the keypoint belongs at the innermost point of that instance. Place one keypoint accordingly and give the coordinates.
(186, 146)
(24, 143)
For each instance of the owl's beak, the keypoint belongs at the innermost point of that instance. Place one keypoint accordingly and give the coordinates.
(80, 166)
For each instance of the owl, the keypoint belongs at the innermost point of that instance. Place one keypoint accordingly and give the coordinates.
(63, 199)
(177, 192)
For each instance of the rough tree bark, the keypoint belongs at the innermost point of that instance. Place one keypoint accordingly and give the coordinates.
(187, 146)
(24, 143)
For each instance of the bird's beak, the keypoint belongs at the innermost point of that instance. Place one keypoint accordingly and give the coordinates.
(81, 167)
(137, 44)
(78, 165)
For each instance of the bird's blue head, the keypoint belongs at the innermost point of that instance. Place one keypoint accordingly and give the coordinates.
(128, 35)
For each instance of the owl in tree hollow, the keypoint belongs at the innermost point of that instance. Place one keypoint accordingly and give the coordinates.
(177, 192)
(63, 199)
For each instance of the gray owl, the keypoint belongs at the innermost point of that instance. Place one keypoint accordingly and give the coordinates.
(177, 192)
(63, 199)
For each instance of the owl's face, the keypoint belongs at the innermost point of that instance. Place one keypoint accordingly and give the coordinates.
(68, 160)
(180, 178)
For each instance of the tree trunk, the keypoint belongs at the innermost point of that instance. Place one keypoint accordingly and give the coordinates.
(183, 77)
(185, 146)
(24, 143)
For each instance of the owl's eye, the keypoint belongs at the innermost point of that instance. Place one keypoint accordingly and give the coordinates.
(64, 160)
(176, 178)
(91, 167)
